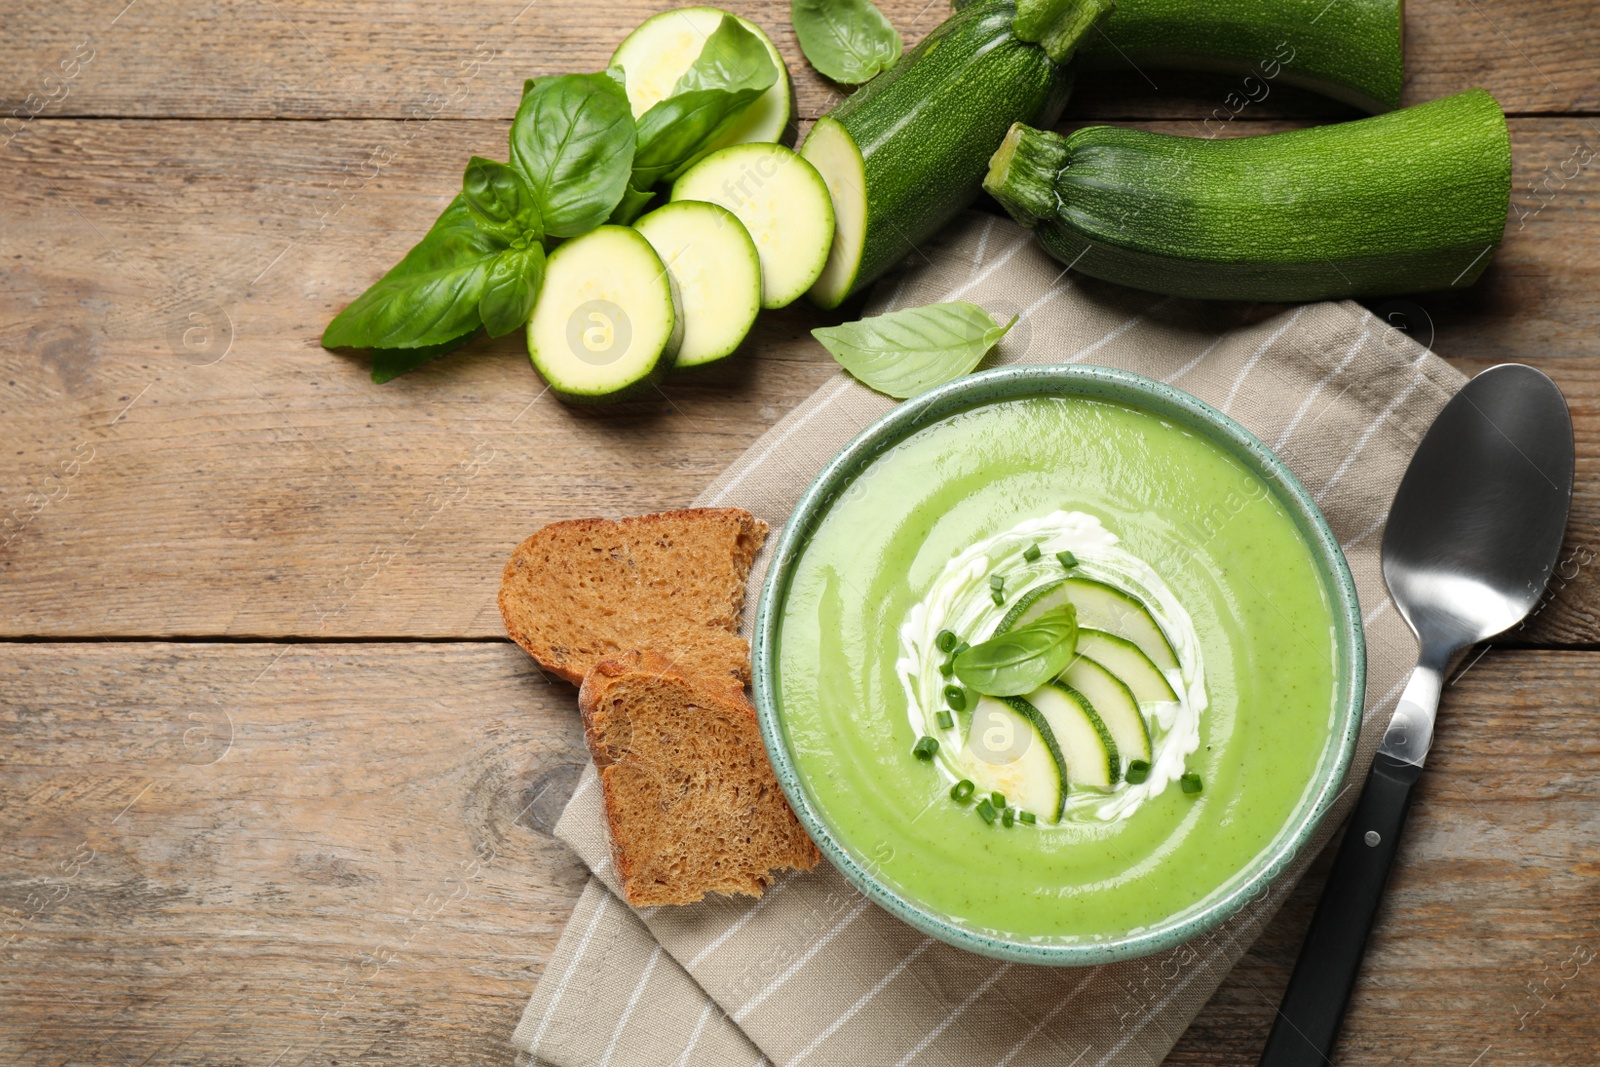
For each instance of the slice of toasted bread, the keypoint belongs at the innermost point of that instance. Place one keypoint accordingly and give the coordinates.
(692, 801)
(578, 592)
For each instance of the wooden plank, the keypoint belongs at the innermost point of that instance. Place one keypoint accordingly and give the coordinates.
(184, 459)
(231, 853)
(365, 58)
(361, 872)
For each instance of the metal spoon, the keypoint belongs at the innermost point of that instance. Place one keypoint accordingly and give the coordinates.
(1471, 541)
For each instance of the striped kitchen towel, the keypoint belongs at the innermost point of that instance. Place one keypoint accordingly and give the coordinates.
(812, 973)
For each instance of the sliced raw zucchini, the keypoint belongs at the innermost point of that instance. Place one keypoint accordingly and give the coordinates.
(1088, 750)
(1114, 703)
(1100, 607)
(781, 200)
(605, 326)
(1132, 667)
(654, 57)
(1010, 749)
(833, 151)
(715, 271)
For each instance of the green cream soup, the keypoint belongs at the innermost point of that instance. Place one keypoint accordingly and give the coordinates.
(909, 549)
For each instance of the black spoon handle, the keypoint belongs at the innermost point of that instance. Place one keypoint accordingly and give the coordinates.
(1313, 1006)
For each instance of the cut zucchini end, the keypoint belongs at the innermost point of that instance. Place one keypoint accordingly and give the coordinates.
(663, 46)
(716, 275)
(830, 148)
(783, 203)
(605, 327)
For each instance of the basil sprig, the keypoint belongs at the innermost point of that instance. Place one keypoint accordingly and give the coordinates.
(910, 351)
(577, 160)
(1021, 659)
(848, 40)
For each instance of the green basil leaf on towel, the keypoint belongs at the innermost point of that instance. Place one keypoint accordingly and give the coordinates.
(910, 351)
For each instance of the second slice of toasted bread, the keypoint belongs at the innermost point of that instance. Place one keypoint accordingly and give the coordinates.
(692, 801)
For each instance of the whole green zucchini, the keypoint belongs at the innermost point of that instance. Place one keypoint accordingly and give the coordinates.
(1350, 50)
(1404, 202)
(907, 151)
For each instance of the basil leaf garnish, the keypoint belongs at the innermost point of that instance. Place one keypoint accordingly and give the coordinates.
(1022, 659)
(511, 289)
(573, 141)
(847, 40)
(732, 70)
(389, 363)
(907, 352)
(501, 200)
(431, 296)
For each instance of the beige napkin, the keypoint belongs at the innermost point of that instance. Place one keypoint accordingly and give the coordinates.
(812, 972)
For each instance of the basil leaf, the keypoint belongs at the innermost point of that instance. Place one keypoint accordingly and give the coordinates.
(847, 40)
(431, 296)
(389, 363)
(501, 200)
(732, 58)
(1022, 659)
(573, 140)
(732, 70)
(910, 351)
(511, 289)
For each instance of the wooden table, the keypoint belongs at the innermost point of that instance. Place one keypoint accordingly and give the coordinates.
(275, 787)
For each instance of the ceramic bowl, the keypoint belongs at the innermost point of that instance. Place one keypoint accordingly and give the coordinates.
(1178, 408)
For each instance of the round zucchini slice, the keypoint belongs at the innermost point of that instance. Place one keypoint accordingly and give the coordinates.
(782, 202)
(654, 57)
(605, 326)
(716, 275)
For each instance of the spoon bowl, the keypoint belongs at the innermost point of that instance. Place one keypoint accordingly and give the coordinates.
(1476, 524)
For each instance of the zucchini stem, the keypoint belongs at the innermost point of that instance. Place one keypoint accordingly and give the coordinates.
(1023, 171)
(1058, 26)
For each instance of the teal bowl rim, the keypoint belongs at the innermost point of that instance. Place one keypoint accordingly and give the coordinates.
(1189, 412)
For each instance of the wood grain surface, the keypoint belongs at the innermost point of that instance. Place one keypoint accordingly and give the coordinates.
(229, 853)
(273, 790)
(186, 460)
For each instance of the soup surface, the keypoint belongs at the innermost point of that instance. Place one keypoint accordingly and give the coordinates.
(912, 548)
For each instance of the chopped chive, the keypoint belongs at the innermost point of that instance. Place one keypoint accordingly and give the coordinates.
(1191, 783)
(997, 596)
(1138, 771)
(956, 697)
(1067, 559)
(1027, 818)
(997, 582)
(962, 791)
(948, 667)
(946, 720)
(960, 648)
(925, 748)
(1031, 553)
(986, 809)
(999, 800)
(946, 641)
(1008, 817)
